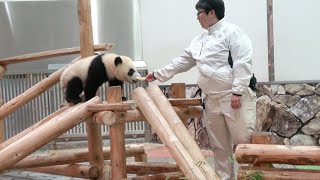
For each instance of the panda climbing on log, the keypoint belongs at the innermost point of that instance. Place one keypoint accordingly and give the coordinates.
(90, 73)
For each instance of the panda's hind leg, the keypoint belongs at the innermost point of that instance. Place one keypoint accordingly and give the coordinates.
(73, 90)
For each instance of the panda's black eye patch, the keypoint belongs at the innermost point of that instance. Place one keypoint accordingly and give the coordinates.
(117, 61)
(131, 71)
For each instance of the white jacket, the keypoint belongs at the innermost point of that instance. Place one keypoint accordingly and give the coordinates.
(209, 51)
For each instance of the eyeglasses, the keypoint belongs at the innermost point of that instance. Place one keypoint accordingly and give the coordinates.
(200, 12)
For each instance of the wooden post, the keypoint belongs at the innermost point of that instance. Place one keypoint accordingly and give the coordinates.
(2, 125)
(86, 49)
(70, 170)
(44, 134)
(187, 165)
(261, 138)
(178, 90)
(3, 70)
(117, 138)
(180, 130)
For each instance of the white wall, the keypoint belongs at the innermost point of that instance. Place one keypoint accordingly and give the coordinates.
(296, 33)
(168, 26)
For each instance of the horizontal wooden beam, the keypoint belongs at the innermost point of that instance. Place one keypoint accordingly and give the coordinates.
(126, 105)
(144, 168)
(50, 54)
(279, 174)
(70, 156)
(164, 176)
(130, 105)
(279, 154)
(185, 102)
(136, 115)
(70, 170)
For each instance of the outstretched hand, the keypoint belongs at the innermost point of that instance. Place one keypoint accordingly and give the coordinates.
(150, 77)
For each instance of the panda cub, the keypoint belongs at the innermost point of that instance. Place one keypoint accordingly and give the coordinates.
(90, 73)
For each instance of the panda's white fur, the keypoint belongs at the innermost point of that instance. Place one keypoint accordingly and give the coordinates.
(96, 70)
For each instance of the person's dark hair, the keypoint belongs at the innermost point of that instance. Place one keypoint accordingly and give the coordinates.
(208, 5)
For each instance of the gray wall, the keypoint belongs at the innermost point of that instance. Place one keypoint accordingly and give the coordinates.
(29, 27)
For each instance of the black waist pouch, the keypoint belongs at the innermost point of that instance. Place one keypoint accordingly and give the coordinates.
(253, 83)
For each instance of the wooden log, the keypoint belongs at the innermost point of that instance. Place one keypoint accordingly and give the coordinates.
(123, 106)
(261, 138)
(278, 174)
(136, 115)
(32, 92)
(71, 156)
(117, 138)
(144, 168)
(29, 143)
(3, 69)
(2, 125)
(187, 165)
(86, 49)
(34, 126)
(70, 170)
(181, 131)
(185, 102)
(105, 117)
(281, 154)
(178, 90)
(50, 54)
(163, 176)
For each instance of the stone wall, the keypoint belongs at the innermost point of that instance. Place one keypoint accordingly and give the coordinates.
(291, 111)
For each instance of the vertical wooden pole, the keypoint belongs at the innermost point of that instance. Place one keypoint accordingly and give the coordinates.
(2, 125)
(117, 138)
(262, 138)
(86, 49)
(178, 90)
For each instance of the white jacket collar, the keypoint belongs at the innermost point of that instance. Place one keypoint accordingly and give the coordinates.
(215, 26)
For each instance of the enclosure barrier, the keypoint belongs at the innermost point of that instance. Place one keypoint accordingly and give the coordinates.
(257, 159)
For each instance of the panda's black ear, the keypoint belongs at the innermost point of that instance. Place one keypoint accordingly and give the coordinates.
(117, 61)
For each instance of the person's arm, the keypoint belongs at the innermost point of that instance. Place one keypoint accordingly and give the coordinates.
(241, 52)
(180, 64)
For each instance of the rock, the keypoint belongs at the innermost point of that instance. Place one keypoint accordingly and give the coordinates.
(284, 122)
(263, 121)
(281, 90)
(287, 99)
(303, 140)
(300, 89)
(313, 127)
(306, 108)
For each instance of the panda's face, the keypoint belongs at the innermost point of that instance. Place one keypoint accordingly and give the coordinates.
(126, 69)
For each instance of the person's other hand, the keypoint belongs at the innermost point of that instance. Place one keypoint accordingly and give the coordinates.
(150, 77)
(235, 101)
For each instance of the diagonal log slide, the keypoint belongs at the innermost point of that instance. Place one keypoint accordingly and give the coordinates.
(190, 167)
(181, 131)
(48, 131)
